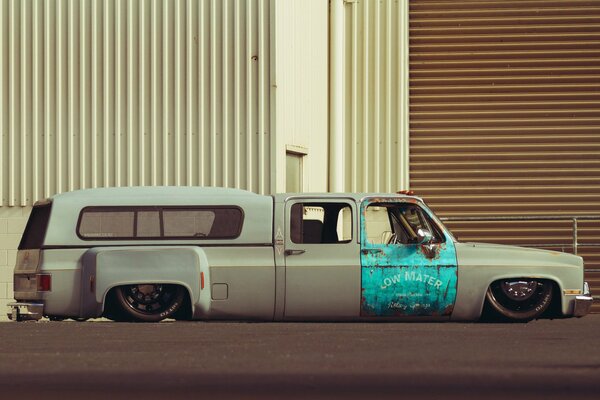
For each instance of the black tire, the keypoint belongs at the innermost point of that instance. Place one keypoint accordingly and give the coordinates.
(149, 302)
(521, 299)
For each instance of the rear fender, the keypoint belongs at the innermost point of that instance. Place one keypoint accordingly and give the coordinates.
(104, 268)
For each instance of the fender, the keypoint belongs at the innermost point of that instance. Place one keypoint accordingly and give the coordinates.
(104, 268)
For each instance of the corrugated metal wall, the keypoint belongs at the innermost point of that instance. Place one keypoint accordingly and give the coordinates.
(505, 116)
(375, 96)
(114, 93)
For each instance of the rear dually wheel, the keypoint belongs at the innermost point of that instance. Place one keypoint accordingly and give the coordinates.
(149, 302)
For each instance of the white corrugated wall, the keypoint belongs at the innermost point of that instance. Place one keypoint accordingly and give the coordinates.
(375, 121)
(116, 93)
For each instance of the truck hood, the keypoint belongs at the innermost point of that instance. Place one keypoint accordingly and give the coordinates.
(485, 254)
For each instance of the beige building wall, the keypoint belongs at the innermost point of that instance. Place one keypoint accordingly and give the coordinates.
(12, 224)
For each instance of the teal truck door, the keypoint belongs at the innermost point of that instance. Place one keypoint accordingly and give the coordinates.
(408, 262)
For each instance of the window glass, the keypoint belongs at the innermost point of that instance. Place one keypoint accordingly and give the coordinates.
(398, 223)
(35, 231)
(107, 224)
(157, 222)
(321, 223)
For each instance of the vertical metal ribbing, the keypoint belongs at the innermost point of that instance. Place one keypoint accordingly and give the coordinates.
(71, 99)
(35, 102)
(189, 90)
(403, 126)
(201, 102)
(165, 80)
(118, 101)
(388, 98)
(354, 97)
(365, 84)
(82, 96)
(177, 115)
(225, 92)
(106, 98)
(59, 98)
(94, 94)
(236, 96)
(213, 95)
(153, 95)
(2, 102)
(130, 111)
(376, 100)
(248, 64)
(47, 132)
(11, 103)
(261, 98)
(141, 99)
(23, 139)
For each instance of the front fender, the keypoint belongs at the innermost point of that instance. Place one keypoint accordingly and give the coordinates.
(104, 268)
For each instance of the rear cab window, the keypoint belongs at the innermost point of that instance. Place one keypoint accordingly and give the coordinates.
(37, 225)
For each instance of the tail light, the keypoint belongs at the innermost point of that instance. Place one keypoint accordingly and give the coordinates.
(44, 282)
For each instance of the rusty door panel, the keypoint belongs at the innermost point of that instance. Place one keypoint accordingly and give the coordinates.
(407, 279)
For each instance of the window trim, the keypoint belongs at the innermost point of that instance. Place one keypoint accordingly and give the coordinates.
(159, 209)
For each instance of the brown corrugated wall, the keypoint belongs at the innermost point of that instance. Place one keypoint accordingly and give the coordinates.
(505, 119)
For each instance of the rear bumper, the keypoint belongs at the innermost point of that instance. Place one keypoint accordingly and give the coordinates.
(21, 311)
(584, 302)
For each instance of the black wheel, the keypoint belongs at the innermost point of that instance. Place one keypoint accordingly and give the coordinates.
(149, 302)
(520, 299)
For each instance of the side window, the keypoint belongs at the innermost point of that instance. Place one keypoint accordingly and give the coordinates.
(398, 223)
(321, 223)
(160, 223)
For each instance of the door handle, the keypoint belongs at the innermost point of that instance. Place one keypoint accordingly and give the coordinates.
(294, 252)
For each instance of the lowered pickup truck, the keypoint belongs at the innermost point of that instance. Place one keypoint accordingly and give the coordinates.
(150, 253)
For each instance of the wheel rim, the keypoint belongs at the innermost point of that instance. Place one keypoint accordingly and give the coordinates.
(520, 296)
(149, 299)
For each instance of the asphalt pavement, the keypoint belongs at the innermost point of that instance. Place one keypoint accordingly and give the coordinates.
(547, 359)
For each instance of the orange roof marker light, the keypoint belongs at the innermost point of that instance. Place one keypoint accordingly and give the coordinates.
(406, 192)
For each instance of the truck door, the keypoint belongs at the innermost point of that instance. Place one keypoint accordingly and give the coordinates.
(408, 261)
(322, 259)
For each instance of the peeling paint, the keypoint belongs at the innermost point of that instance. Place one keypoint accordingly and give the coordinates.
(406, 279)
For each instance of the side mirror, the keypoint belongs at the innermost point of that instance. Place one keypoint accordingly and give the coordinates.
(424, 236)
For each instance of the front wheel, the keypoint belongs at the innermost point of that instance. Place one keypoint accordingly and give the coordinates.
(149, 302)
(520, 299)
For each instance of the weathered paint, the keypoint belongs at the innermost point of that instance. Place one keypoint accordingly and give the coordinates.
(407, 280)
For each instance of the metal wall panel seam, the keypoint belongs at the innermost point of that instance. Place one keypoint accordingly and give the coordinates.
(106, 98)
(354, 111)
(236, 96)
(225, 95)
(59, 96)
(47, 102)
(201, 92)
(377, 100)
(12, 102)
(261, 99)
(118, 101)
(82, 97)
(403, 101)
(365, 99)
(3, 110)
(177, 115)
(165, 80)
(388, 98)
(130, 112)
(213, 94)
(94, 94)
(23, 138)
(71, 99)
(36, 109)
(142, 98)
(189, 90)
(153, 95)
(248, 64)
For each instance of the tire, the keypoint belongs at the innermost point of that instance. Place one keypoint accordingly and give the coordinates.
(150, 302)
(520, 299)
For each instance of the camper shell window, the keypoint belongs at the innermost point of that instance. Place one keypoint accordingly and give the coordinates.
(147, 223)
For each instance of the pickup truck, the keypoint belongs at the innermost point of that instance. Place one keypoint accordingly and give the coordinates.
(150, 253)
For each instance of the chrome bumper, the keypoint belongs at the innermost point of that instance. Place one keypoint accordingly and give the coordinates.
(25, 311)
(584, 302)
